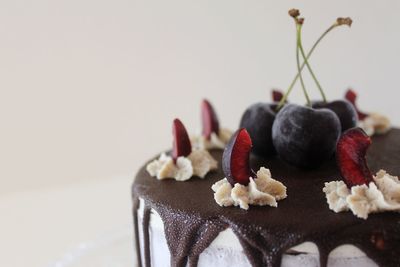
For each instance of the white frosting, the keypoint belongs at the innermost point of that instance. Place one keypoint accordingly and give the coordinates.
(198, 163)
(379, 196)
(375, 123)
(336, 193)
(215, 142)
(260, 191)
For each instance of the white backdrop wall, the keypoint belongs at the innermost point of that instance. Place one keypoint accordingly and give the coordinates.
(88, 88)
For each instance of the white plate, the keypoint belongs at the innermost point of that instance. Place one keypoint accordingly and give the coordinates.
(113, 249)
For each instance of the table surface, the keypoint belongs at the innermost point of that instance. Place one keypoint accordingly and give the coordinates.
(40, 226)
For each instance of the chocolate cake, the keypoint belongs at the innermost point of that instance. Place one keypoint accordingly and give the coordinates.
(192, 220)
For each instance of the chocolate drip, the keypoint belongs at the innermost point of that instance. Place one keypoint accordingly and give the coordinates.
(180, 230)
(192, 219)
(136, 230)
(183, 229)
(256, 256)
(323, 250)
(146, 234)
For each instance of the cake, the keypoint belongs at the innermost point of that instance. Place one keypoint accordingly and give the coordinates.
(200, 205)
(198, 230)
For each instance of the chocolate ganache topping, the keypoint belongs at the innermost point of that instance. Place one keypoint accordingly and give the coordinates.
(192, 219)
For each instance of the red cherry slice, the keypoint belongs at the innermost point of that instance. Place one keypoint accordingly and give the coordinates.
(351, 153)
(236, 158)
(351, 96)
(276, 95)
(181, 146)
(209, 119)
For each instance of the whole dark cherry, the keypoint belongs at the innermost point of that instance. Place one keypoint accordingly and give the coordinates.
(345, 111)
(257, 120)
(305, 137)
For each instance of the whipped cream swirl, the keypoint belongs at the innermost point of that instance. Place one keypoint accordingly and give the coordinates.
(260, 191)
(375, 123)
(198, 163)
(215, 142)
(379, 196)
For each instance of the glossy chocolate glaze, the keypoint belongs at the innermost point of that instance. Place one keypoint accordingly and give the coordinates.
(192, 219)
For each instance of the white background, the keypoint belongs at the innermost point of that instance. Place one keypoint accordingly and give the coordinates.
(89, 88)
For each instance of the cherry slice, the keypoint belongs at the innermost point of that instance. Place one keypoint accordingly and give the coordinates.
(236, 158)
(181, 146)
(351, 153)
(209, 119)
(276, 95)
(351, 96)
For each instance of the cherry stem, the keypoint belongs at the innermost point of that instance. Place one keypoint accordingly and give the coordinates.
(298, 29)
(289, 90)
(309, 68)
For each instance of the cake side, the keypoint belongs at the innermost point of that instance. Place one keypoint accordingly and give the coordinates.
(226, 250)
